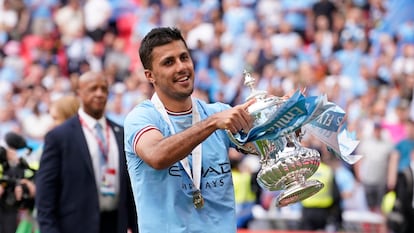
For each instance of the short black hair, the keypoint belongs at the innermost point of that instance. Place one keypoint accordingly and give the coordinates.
(157, 37)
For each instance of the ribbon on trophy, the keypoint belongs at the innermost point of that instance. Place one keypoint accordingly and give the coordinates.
(329, 128)
(316, 114)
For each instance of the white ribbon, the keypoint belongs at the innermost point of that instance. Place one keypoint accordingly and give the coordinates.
(195, 174)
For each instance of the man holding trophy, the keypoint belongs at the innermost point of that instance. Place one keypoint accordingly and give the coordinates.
(177, 145)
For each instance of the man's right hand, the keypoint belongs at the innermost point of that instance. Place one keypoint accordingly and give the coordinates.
(235, 119)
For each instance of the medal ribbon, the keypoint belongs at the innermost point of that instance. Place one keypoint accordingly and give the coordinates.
(195, 174)
(103, 147)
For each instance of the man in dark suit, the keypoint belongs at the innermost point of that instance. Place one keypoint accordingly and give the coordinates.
(82, 183)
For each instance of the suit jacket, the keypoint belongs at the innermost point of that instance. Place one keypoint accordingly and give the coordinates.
(67, 196)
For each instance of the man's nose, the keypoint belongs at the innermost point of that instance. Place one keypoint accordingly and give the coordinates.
(180, 65)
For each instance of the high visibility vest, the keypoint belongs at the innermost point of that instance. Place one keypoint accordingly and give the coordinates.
(28, 173)
(242, 187)
(323, 198)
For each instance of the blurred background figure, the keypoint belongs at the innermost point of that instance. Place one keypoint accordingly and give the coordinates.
(63, 109)
(60, 110)
(83, 169)
(17, 189)
(323, 210)
(400, 157)
(243, 169)
(372, 169)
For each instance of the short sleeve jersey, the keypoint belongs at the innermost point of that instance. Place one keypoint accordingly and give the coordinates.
(164, 197)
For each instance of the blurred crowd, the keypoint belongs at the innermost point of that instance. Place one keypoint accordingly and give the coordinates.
(360, 53)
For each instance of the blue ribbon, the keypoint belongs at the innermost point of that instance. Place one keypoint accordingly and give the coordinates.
(295, 112)
(324, 118)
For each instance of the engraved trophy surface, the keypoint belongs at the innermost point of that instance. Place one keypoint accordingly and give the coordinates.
(290, 172)
(285, 164)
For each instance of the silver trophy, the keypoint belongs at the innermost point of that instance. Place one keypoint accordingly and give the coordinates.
(285, 164)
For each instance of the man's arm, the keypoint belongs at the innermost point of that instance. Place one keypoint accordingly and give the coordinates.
(47, 189)
(393, 169)
(161, 152)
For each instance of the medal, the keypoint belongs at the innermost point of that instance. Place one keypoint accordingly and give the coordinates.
(198, 199)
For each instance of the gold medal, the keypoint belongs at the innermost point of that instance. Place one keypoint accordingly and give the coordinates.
(198, 199)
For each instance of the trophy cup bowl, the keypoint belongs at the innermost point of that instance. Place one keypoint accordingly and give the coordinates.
(290, 172)
(285, 164)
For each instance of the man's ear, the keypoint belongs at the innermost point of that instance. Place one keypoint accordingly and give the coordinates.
(149, 76)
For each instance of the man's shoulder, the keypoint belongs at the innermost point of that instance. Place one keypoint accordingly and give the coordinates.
(66, 127)
(143, 106)
(144, 109)
(213, 107)
(406, 142)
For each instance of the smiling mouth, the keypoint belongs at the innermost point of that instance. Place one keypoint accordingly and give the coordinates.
(183, 79)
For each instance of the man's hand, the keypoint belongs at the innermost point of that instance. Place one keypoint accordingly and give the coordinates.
(235, 119)
(1, 190)
(18, 190)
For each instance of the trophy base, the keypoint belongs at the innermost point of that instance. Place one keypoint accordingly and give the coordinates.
(298, 192)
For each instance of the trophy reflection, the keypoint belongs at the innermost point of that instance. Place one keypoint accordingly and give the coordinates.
(285, 164)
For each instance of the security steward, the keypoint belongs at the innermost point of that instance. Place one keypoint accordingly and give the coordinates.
(322, 211)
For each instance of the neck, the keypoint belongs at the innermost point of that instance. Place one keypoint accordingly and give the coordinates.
(175, 105)
(95, 115)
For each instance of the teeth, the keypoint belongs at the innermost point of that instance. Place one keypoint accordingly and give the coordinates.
(183, 79)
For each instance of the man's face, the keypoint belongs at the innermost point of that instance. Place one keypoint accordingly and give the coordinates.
(94, 94)
(172, 71)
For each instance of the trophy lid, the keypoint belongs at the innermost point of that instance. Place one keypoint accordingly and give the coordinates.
(262, 102)
(249, 81)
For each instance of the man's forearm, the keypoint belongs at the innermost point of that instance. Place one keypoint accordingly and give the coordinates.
(176, 147)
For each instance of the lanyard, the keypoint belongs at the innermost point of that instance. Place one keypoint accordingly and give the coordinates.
(102, 147)
(195, 175)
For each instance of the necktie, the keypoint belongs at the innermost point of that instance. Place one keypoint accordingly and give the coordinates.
(102, 143)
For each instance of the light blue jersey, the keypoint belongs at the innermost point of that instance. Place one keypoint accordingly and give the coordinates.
(164, 197)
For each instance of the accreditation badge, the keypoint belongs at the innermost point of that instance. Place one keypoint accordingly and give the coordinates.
(108, 182)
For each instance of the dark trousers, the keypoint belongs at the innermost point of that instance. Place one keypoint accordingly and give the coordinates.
(314, 218)
(8, 220)
(109, 222)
